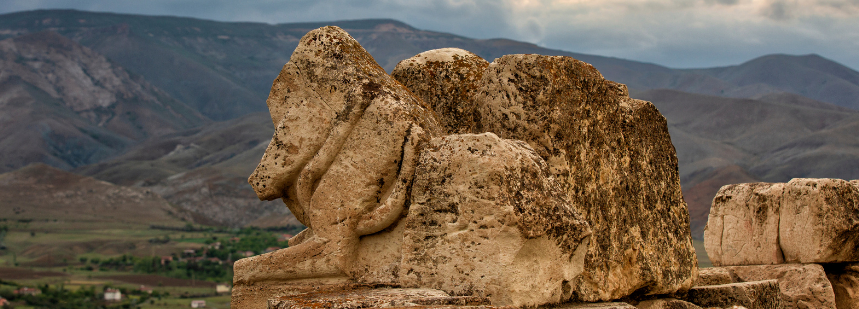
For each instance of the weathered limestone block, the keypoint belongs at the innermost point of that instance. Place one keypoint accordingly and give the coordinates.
(257, 294)
(486, 220)
(751, 295)
(366, 297)
(743, 225)
(342, 158)
(714, 276)
(614, 158)
(845, 284)
(800, 285)
(606, 305)
(820, 221)
(666, 303)
(445, 79)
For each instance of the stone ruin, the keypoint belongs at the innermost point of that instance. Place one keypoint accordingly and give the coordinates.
(803, 234)
(459, 183)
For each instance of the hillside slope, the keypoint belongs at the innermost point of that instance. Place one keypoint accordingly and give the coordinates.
(811, 76)
(65, 105)
(67, 215)
(203, 171)
(41, 192)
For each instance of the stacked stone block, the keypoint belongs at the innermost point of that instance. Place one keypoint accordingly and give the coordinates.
(803, 233)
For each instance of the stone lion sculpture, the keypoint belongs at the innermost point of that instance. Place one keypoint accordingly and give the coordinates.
(525, 181)
(342, 156)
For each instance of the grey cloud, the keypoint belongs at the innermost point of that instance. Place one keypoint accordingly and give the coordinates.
(778, 10)
(722, 2)
(675, 33)
(848, 7)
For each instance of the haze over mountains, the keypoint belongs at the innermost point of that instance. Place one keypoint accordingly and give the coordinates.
(145, 119)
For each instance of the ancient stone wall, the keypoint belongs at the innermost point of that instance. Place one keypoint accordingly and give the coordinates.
(803, 233)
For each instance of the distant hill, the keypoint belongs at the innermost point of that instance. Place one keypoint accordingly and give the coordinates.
(69, 215)
(811, 76)
(41, 192)
(721, 141)
(63, 104)
(203, 171)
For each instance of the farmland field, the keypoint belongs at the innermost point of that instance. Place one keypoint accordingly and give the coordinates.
(78, 256)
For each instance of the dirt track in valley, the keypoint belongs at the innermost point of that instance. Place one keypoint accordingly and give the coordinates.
(12, 273)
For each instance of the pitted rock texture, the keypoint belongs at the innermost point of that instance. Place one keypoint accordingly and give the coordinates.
(845, 284)
(342, 157)
(446, 80)
(751, 295)
(820, 221)
(666, 303)
(487, 220)
(368, 297)
(803, 221)
(605, 305)
(258, 294)
(743, 226)
(613, 157)
(800, 285)
(714, 276)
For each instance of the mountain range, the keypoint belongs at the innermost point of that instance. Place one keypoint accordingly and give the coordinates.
(177, 105)
(65, 105)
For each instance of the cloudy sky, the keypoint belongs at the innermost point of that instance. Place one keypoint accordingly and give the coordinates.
(674, 33)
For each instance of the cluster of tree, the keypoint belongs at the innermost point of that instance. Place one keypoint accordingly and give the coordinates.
(122, 263)
(3, 230)
(251, 239)
(212, 263)
(189, 269)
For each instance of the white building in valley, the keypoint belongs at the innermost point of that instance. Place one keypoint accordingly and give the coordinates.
(112, 295)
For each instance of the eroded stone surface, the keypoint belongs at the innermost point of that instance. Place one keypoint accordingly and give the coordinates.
(614, 158)
(800, 285)
(845, 284)
(486, 220)
(714, 276)
(820, 221)
(257, 294)
(751, 295)
(605, 305)
(342, 158)
(743, 225)
(368, 297)
(666, 303)
(445, 79)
